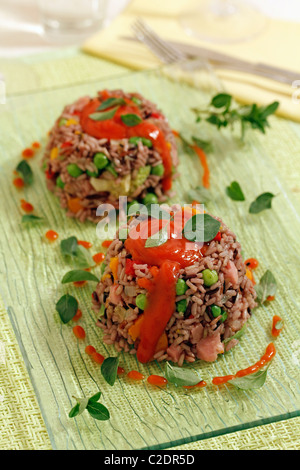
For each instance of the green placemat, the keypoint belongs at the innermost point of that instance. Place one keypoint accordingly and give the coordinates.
(37, 437)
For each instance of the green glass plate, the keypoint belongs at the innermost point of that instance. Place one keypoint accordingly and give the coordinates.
(144, 416)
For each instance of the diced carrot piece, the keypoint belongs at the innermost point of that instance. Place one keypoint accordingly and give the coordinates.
(74, 204)
(135, 329)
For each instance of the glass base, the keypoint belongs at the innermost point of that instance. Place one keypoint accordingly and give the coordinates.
(69, 32)
(223, 21)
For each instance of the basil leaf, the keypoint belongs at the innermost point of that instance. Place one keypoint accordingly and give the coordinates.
(201, 228)
(74, 411)
(235, 192)
(261, 203)
(78, 275)
(95, 397)
(250, 382)
(109, 369)
(104, 116)
(82, 402)
(25, 170)
(157, 239)
(131, 120)
(265, 111)
(221, 100)
(199, 194)
(111, 102)
(67, 307)
(98, 411)
(69, 246)
(267, 286)
(29, 218)
(237, 335)
(77, 254)
(180, 376)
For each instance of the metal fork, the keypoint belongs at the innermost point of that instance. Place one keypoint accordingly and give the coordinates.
(165, 51)
(169, 53)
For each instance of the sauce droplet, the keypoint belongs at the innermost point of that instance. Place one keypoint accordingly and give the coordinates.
(26, 206)
(79, 332)
(157, 380)
(27, 153)
(99, 257)
(18, 183)
(51, 235)
(135, 375)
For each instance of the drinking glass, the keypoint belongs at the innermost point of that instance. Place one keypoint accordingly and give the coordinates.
(223, 21)
(71, 20)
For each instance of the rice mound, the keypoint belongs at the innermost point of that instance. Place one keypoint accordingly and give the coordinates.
(133, 163)
(196, 333)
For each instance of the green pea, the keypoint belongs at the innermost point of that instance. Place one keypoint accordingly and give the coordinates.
(60, 183)
(92, 174)
(62, 122)
(141, 301)
(210, 277)
(136, 140)
(111, 169)
(181, 306)
(158, 170)
(150, 198)
(74, 170)
(100, 160)
(136, 100)
(216, 311)
(132, 203)
(224, 316)
(181, 287)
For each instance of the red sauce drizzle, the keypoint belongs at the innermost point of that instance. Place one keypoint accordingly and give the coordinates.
(174, 254)
(116, 129)
(267, 357)
(276, 331)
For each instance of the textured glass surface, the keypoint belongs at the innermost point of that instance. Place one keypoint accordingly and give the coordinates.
(143, 416)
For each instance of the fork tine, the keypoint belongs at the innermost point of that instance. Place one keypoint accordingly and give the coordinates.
(166, 58)
(153, 45)
(145, 34)
(148, 32)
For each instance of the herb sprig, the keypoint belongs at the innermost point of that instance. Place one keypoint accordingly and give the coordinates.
(181, 376)
(24, 169)
(95, 409)
(223, 112)
(267, 286)
(79, 256)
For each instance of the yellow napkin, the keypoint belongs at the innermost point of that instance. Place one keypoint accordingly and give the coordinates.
(276, 46)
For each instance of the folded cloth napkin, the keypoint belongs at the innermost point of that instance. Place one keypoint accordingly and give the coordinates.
(275, 46)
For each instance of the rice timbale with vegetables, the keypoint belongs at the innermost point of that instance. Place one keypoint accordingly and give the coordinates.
(116, 144)
(174, 299)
